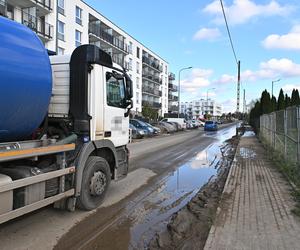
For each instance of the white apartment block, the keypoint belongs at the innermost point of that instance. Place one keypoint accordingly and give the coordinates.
(197, 109)
(62, 25)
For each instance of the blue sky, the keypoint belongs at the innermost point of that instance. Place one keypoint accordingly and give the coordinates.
(266, 37)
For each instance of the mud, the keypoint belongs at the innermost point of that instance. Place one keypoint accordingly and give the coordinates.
(189, 227)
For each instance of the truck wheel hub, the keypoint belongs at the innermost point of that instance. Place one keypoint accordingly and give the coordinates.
(98, 183)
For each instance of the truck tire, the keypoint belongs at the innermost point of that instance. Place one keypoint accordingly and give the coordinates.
(95, 181)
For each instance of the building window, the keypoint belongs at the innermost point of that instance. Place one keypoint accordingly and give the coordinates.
(138, 83)
(61, 6)
(137, 67)
(130, 48)
(61, 30)
(166, 69)
(137, 52)
(77, 38)
(60, 51)
(130, 64)
(137, 97)
(78, 15)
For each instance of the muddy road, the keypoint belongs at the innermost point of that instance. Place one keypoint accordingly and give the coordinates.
(180, 164)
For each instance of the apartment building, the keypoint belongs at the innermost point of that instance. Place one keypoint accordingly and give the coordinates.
(197, 109)
(64, 25)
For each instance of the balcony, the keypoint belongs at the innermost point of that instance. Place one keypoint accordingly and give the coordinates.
(99, 33)
(152, 64)
(171, 76)
(173, 108)
(152, 78)
(173, 98)
(151, 91)
(173, 88)
(38, 25)
(43, 7)
(2, 8)
(151, 104)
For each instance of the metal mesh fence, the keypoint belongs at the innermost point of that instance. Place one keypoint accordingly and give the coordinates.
(281, 131)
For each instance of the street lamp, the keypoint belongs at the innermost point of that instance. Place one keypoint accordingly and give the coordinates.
(179, 87)
(273, 86)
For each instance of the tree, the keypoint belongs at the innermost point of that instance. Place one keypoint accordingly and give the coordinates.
(274, 103)
(287, 101)
(266, 104)
(149, 112)
(281, 101)
(295, 100)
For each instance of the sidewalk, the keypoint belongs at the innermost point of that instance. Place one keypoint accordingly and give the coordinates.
(255, 211)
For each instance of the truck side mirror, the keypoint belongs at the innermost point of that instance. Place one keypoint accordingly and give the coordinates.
(129, 89)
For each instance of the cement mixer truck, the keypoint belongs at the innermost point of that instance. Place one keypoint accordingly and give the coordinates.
(63, 124)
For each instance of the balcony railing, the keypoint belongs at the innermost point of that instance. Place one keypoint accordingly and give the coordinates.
(152, 63)
(47, 4)
(151, 104)
(37, 25)
(171, 76)
(173, 87)
(173, 108)
(97, 30)
(173, 98)
(153, 78)
(153, 91)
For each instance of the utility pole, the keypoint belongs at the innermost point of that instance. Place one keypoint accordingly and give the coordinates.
(244, 102)
(238, 88)
(179, 87)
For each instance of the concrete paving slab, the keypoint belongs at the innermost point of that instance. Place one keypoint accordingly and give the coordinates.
(255, 210)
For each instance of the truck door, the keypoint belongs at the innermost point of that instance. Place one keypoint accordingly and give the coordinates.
(116, 125)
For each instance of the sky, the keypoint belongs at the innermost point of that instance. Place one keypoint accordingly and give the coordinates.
(265, 34)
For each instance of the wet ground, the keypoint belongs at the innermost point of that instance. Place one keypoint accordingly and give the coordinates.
(181, 169)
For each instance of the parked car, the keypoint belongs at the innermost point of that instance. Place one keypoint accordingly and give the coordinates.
(141, 125)
(156, 130)
(189, 125)
(175, 125)
(180, 121)
(211, 126)
(137, 133)
(167, 126)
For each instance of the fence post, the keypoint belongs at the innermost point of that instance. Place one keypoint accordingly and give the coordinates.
(298, 133)
(274, 131)
(285, 133)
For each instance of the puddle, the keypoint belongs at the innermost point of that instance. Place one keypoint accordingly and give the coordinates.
(247, 153)
(248, 134)
(175, 191)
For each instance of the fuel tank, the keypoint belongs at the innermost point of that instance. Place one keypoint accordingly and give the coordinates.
(25, 81)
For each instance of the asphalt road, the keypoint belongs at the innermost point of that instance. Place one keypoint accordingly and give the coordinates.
(150, 161)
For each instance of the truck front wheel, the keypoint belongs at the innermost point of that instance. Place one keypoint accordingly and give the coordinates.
(95, 181)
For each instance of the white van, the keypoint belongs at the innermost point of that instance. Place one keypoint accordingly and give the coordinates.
(180, 121)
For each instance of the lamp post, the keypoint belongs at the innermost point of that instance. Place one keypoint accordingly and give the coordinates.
(179, 87)
(207, 98)
(273, 86)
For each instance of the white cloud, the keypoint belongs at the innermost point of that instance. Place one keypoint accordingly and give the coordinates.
(274, 68)
(229, 105)
(197, 79)
(242, 11)
(207, 34)
(225, 79)
(289, 87)
(290, 41)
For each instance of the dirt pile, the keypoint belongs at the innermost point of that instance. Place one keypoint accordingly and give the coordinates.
(189, 227)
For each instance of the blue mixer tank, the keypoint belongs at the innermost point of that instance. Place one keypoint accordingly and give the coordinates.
(25, 81)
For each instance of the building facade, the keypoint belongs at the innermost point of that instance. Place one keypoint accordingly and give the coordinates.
(197, 109)
(64, 25)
